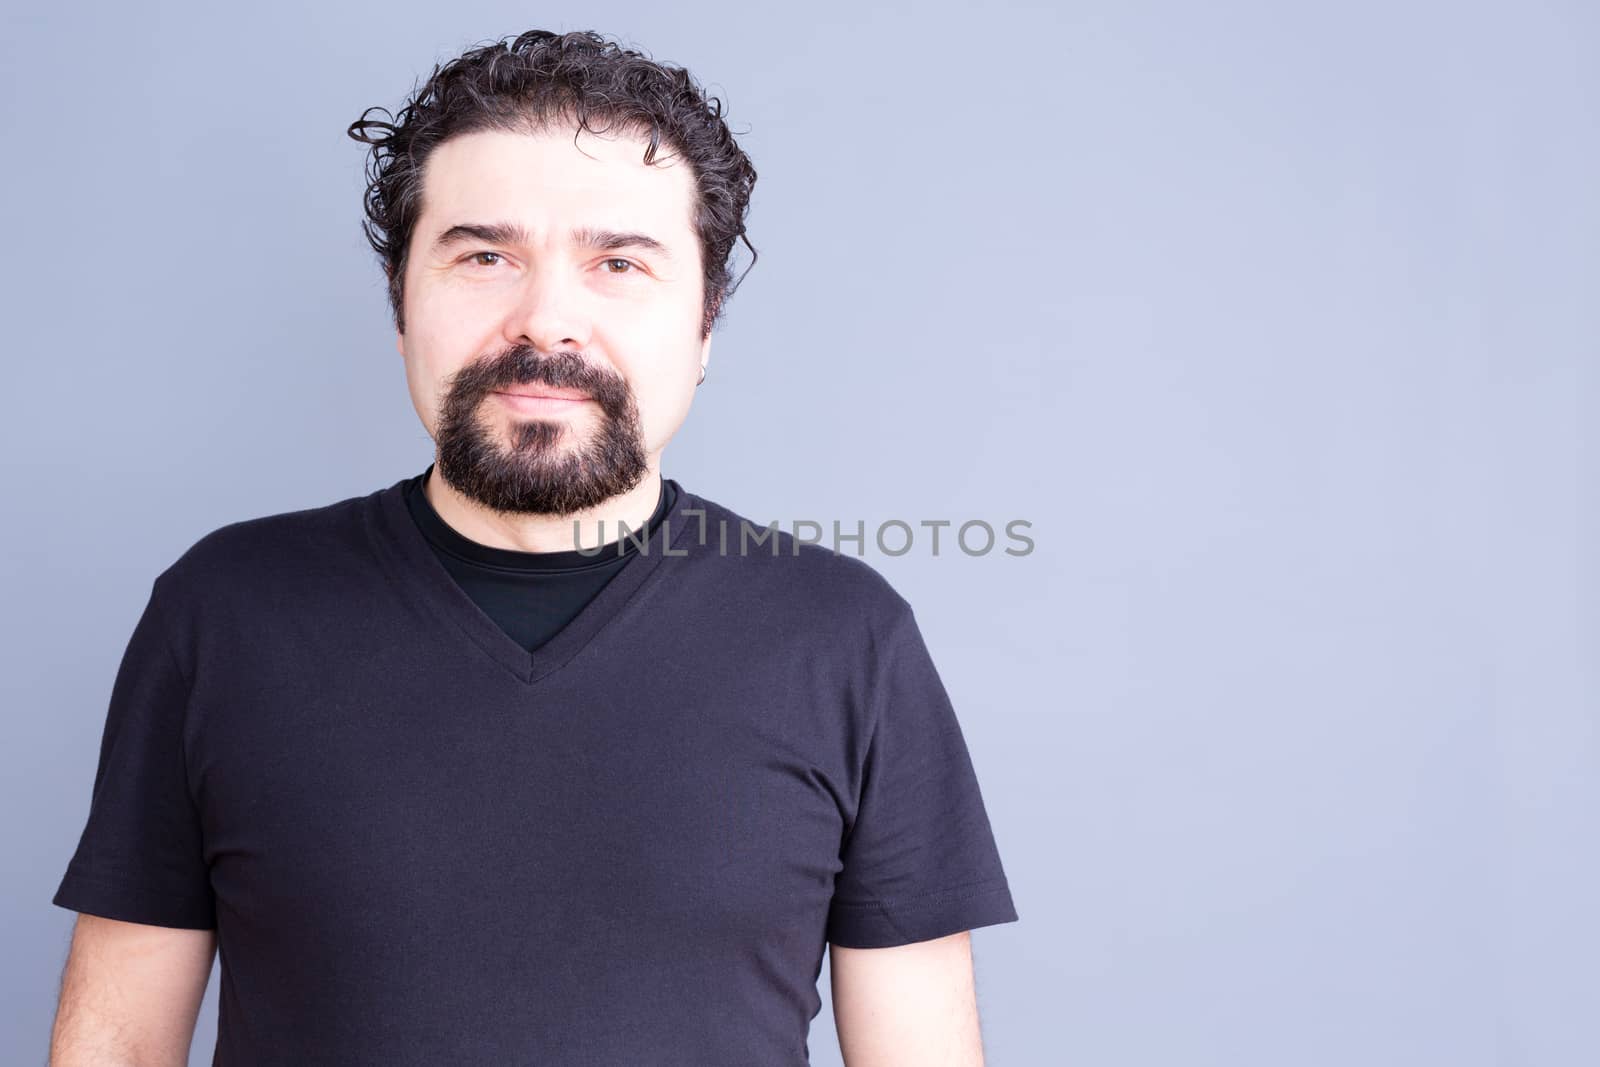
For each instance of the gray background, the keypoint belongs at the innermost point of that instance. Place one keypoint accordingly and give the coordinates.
(1277, 321)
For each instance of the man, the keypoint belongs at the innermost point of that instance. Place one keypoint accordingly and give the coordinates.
(535, 757)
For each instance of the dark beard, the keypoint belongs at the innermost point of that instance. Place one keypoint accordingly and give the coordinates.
(541, 471)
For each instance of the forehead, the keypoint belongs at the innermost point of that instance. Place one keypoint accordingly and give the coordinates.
(550, 182)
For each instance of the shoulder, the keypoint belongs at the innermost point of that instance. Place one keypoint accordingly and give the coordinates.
(270, 551)
(802, 580)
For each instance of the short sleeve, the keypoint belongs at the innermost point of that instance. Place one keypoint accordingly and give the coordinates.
(140, 857)
(919, 858)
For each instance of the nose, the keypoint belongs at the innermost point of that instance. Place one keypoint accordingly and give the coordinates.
(550, 312)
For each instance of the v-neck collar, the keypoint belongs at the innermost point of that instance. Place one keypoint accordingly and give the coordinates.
(418, 571)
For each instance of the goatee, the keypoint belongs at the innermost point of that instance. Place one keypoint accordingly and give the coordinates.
(549, 466)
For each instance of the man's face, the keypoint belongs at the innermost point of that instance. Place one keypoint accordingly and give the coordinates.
(551, 359)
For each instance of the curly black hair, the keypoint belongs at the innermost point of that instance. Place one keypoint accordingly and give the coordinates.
(539, 80)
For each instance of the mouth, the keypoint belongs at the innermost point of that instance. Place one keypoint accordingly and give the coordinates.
(541, 392)
(538, 400)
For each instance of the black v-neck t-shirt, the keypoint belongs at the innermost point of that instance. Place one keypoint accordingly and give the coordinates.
(420, 841)
(531, 595)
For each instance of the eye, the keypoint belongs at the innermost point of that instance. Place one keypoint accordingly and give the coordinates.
(628, 263)
(476, 256)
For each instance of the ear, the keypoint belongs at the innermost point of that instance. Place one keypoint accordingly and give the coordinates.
(400, 344)
(705, 350)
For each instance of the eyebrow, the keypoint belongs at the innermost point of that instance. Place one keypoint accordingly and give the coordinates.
(510, 233)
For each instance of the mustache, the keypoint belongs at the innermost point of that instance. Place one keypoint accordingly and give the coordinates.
(523, 365)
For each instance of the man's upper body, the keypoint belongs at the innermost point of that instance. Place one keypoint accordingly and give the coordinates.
(420, 842)
(442, 788)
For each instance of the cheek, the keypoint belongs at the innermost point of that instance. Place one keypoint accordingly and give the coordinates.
(664, 401)
(429, 360)
(661, 375)
(420, 383)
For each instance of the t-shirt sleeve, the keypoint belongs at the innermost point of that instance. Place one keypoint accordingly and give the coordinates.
(919, 858)
(140, 857)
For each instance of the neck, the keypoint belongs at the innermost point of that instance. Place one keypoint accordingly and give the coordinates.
(547, 533)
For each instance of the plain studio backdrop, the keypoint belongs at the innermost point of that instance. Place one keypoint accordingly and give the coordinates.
(1276, 322)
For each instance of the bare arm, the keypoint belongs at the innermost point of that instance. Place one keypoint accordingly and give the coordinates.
(908, 1005)
(130, 994)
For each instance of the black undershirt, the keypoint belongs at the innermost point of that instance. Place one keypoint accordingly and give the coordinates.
(531, 595)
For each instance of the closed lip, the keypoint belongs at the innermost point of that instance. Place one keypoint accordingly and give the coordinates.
(539, 393)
